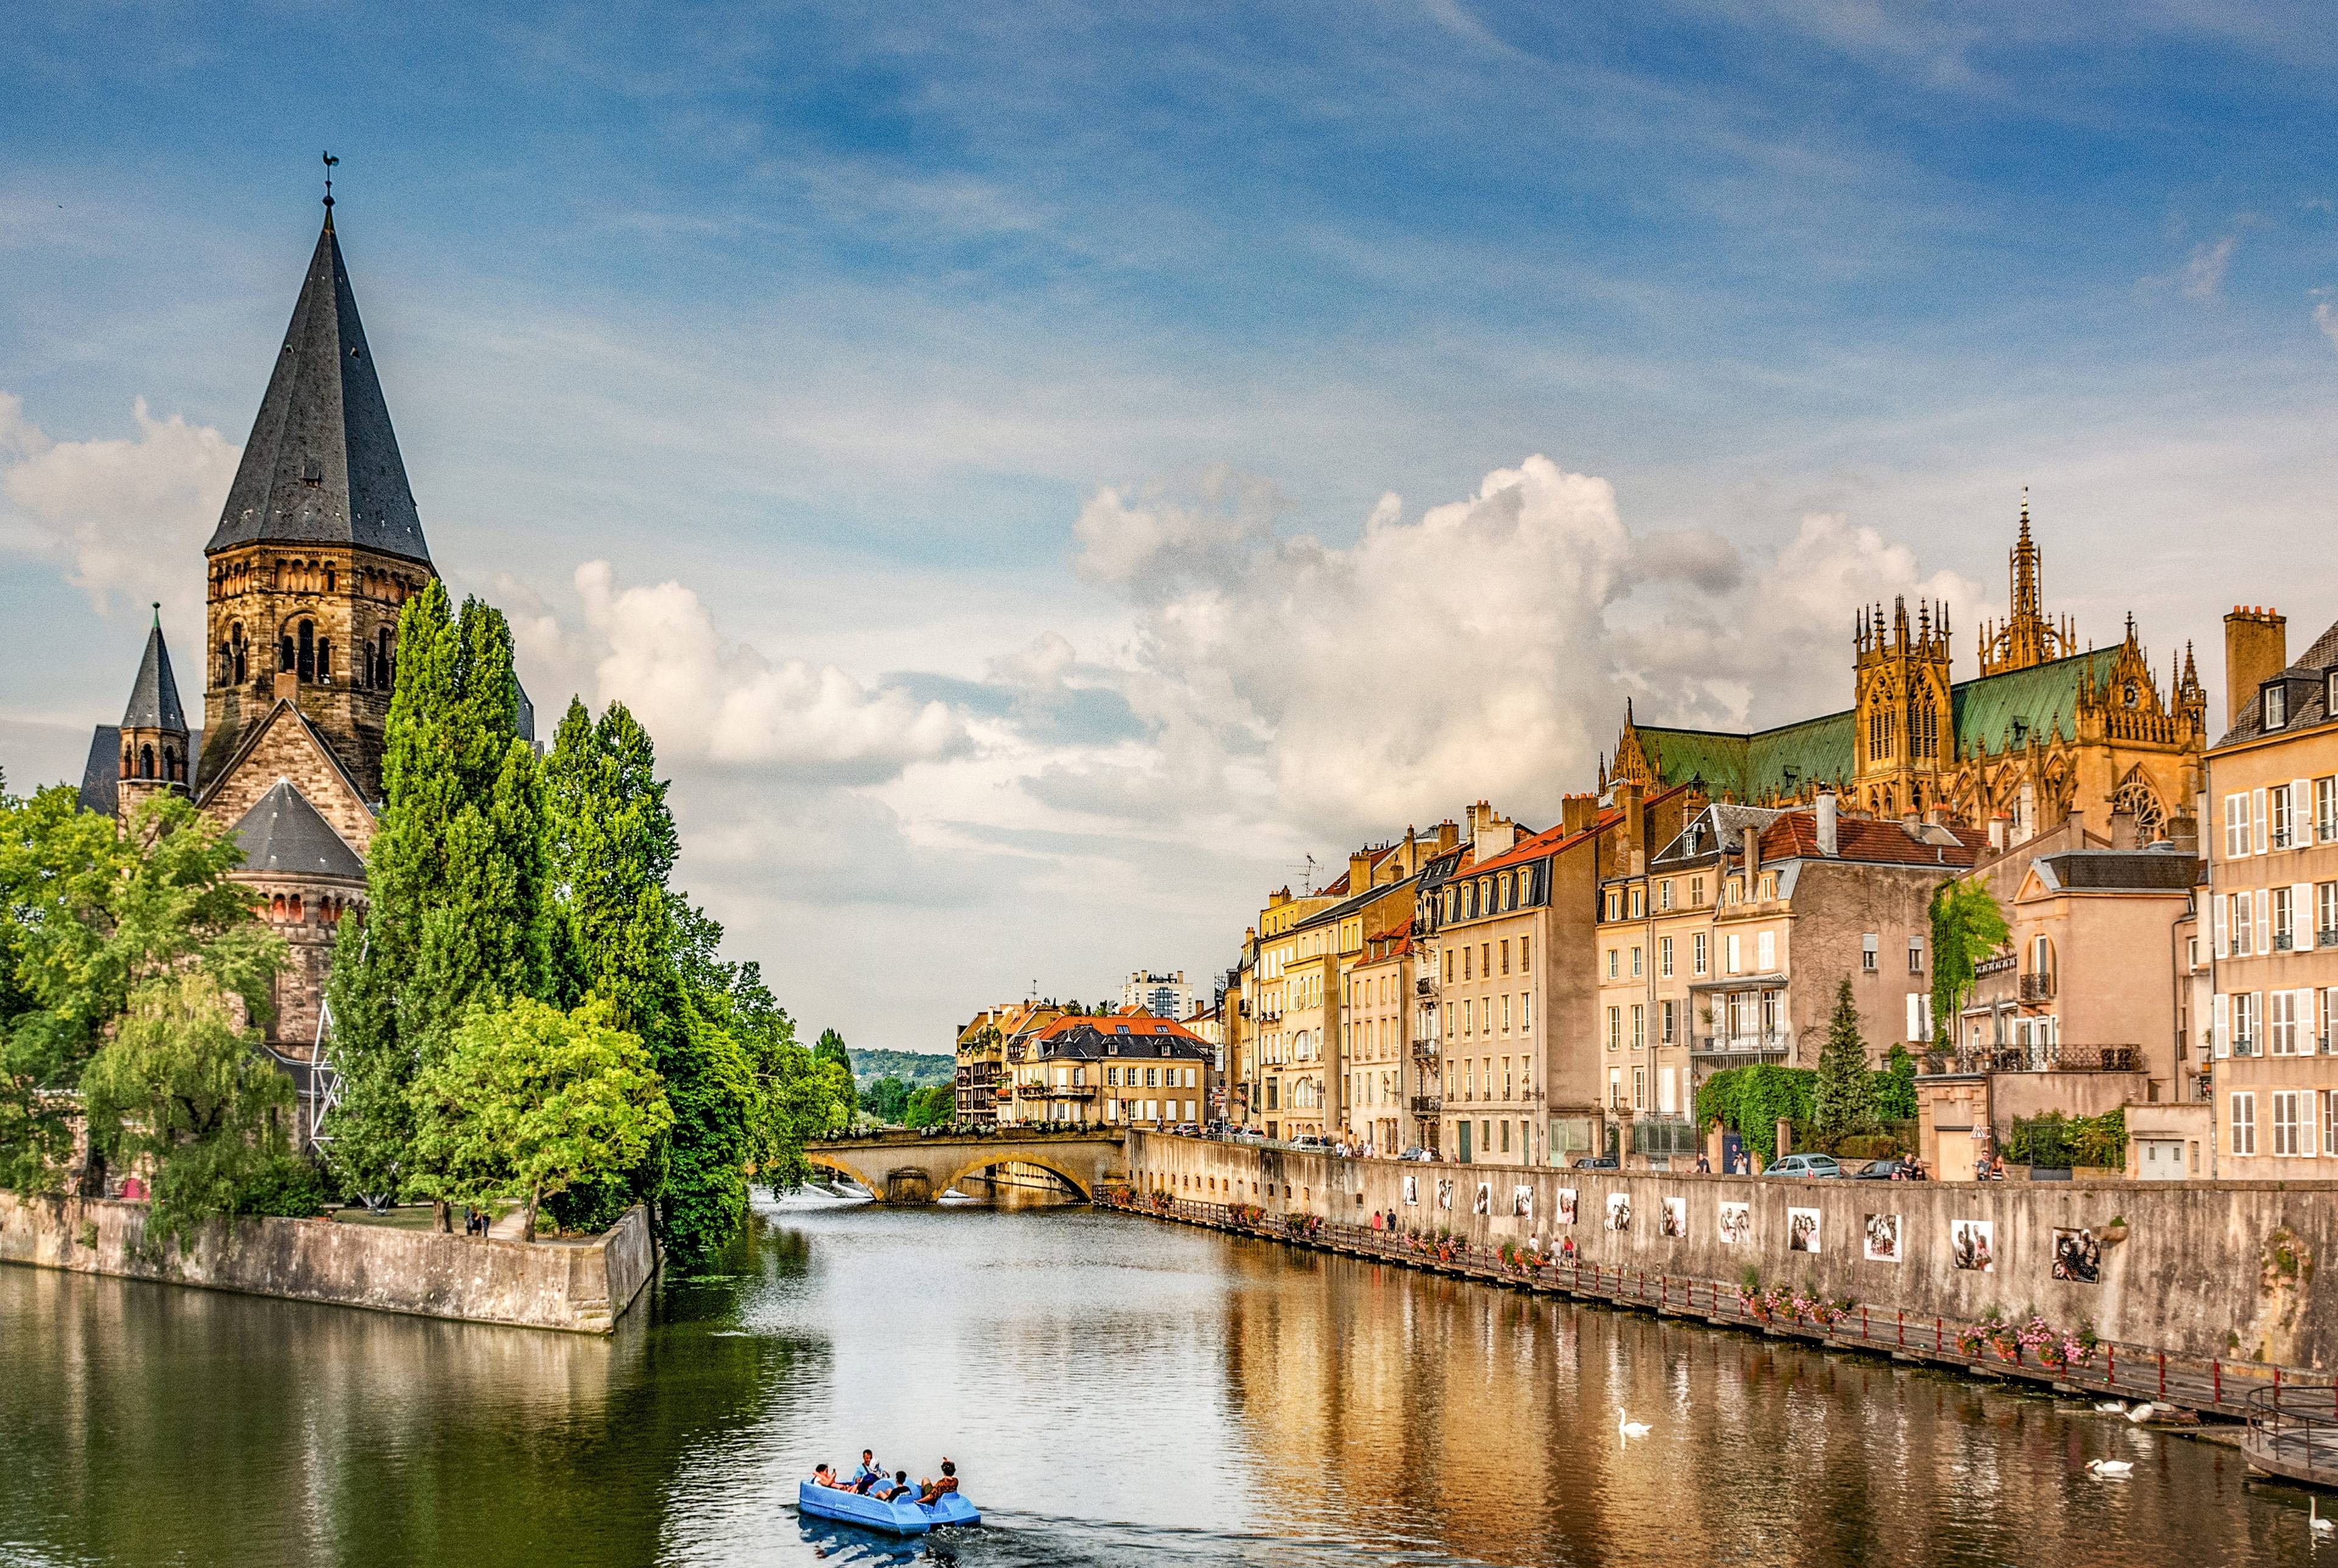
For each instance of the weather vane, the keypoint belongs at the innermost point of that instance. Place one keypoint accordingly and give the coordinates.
(329, 161)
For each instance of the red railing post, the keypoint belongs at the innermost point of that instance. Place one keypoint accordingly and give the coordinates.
(1936, 1335)
(1862, 1322)
(2163, 1373)
(2217, 1376)
(2110, 1378)
(1902, 1316)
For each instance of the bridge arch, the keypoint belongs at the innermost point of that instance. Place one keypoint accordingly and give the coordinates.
(1083, 1184)
(827, 1161)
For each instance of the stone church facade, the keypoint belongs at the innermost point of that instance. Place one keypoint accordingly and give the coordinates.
(317, 547)
(2047, 729)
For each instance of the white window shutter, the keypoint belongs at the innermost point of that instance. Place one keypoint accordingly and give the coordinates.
(2224, 1026)
(2305, 1005)
(2264, 922)
(2223, 939)
(2300, 812)
(1915, 1018)
(2301, 915)
(2257, 812)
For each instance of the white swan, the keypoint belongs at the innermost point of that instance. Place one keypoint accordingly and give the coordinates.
(2141, 1413)
(2313, 1519)
(1629, 1427)
(2110, 1467)
(2110, 1407)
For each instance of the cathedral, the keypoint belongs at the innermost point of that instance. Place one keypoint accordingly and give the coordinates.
(317, 548)
(2047, 729)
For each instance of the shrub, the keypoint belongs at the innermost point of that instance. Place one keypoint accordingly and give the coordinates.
(1867, 1146)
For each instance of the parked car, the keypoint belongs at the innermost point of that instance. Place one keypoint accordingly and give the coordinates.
(1189, 1129)
(1804, 1165)
(1249, 1135)
(1890, 1168)
(1308, 1140)
(1599, 1162)
(1417, 1153)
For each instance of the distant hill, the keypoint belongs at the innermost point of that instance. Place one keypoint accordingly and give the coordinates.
(914, 1068)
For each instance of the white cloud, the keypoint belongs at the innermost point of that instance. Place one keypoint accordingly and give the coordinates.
(2325, 316)
(125, 514)
(656, 649)
(2204, 274)
(1152, 543)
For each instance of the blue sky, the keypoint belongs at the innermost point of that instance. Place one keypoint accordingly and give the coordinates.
(1004, 394)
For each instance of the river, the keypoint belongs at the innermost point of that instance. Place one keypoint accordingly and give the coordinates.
(1116, 1390)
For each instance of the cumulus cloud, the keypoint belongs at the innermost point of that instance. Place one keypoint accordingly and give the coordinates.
(655, 648)
(1152, 543)
(124, 515)
(1484, 648)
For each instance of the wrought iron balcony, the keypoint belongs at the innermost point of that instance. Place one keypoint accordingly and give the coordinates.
(2038, 986)
(1425, 1050)
(2046, 1058)
(2326, 937)
(1427, 1104)
(1424, 985)
(2279, 838)
(2245, 1045)
(1746, 1046)
(2283, 942)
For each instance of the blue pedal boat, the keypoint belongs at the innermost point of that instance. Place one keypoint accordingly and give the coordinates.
(902, 1518)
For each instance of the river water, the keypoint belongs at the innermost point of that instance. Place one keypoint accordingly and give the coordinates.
(1114, 1390)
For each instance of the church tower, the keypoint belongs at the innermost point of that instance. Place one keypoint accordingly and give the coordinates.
(317, 546)
(153, 731)
(1904, 739)
(2027, 637)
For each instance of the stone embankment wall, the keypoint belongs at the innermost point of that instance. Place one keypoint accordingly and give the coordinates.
(582, 1288)
(2230, 1268)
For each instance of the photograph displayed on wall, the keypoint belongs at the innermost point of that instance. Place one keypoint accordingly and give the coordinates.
(1567, 1205)
(1522, 1199)
(2078, 1257)
(1883, 1238)
(1736, 1223)
(1445, 1191)
(1412, 1191)
(1802, 1229)
(1484, 1199)
(1619, 1212)
(1675, 1212)
(1972, 1244)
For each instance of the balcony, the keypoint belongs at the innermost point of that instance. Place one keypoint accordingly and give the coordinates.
(1066, 1092)
(1427, 1104)
(2038, 986)
(2279, 838)
(2055, 1057)
(1743, 1048)
(2282, 941)
(1424, 1050)
(2326, 937)
(1989, 966)
(1424, 985)
(2245, 1045)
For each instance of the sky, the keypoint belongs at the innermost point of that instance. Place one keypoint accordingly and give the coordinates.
(1044, 472)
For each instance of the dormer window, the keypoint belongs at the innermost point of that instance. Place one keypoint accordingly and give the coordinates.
(2276, 707)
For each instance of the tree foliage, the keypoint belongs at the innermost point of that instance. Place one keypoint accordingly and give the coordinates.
(935, 1105)
(529, 1100)
(1968, 928)
(456, 878)
(1842, 1099)
(1752, 1101)
(90, 915)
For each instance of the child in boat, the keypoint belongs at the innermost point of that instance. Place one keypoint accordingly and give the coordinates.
(897, 1491)
(940, 1486)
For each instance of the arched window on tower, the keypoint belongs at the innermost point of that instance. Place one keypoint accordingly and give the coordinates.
(329, 577)
(308, 651)
(293, 907)
(239, 652)
(127, 763)
(276, 907)
(324, 659)
(385, 663)
(286, 657)
(171, 766)
(146, 761)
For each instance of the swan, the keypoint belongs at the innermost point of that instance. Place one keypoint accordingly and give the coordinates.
(2110, 1467)
(2313, 1519)
(2141, 1413)
(2110, 1407)
(1629, 1427)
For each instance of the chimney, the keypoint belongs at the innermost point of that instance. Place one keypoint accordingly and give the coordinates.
(1576, 812)
(1997, 832)
(1360, 872)
(1752, 831)
(2123, 831)
(1829, 812)
(1632, 851)
(1492, 833)
(2256, 649)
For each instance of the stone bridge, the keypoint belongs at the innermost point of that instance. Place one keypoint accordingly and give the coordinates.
(916, 1167)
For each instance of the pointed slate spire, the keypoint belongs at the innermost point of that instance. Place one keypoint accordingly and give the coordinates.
(322, 466)
(154, 698)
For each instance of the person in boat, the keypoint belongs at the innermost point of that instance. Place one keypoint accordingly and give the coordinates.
(822, 1475)
(940, 1486)
(897, 1490)
(869, 1474)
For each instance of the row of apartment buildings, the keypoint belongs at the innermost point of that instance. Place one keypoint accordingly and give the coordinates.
(1037, 1062)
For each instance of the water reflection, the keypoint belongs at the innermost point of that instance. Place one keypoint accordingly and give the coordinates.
(1115, 1391)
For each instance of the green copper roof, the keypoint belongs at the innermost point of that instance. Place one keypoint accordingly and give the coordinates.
(1790, 759)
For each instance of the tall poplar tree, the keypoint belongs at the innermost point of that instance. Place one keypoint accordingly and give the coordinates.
(1843, 1101)
(456, 877)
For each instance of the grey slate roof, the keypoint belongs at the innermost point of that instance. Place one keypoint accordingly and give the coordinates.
(322, 466)
(102, 772)
(2160, 870)
(282, 834)
(154, 698)
(2309, 686)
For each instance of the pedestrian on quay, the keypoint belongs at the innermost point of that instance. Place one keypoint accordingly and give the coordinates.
(1703, 1166)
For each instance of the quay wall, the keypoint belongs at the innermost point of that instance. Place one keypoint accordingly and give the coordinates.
(2229, 1270)
(580, 1287)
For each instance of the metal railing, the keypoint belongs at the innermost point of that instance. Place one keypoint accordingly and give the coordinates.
(2038, 986)
(2292, 1431)
(1425, 1050)
(2245, 1045)
(2282, 941)
(2051, 1056)
(1427, 1104)
(1774, 1043)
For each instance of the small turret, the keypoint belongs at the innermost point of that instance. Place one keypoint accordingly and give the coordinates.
(153, 731)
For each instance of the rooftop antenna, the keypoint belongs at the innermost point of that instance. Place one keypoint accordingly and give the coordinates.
(329, 161)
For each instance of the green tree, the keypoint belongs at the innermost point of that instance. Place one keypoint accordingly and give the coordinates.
(1843, 1100)
(1967, 928)
(1895, 1086)
(456, 877)
(183, 1083)
(832, 1048)
(527, 1100)
(935, 1105)
(88, 915)
(1752, 1101)
(887, 1100)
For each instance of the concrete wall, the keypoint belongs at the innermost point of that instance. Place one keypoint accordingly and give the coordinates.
(584, 1288)
(2226, 1269)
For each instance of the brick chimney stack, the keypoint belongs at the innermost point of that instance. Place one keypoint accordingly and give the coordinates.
(2256, 649)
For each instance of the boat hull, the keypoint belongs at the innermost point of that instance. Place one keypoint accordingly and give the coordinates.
(894, 1518)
